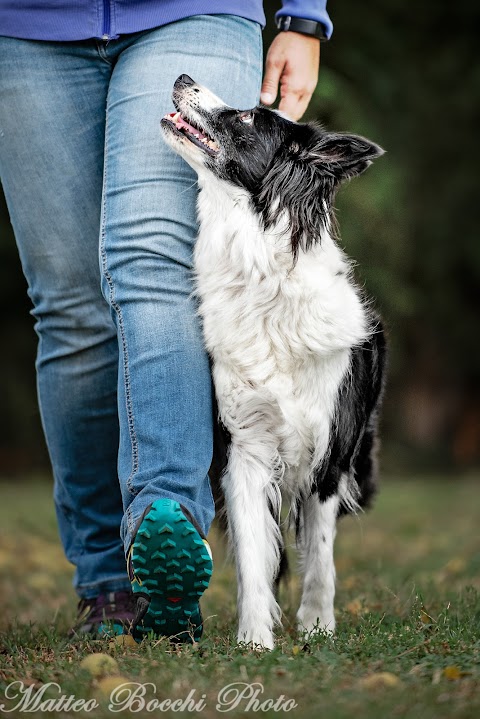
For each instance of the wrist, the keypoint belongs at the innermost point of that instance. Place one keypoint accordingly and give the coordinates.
(310, 28)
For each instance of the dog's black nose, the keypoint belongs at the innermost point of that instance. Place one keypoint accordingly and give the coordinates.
(183, 81)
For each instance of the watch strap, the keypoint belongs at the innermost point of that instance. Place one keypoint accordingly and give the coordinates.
(298, 24)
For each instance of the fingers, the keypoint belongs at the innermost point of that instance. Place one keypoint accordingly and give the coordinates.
(293, 61)
(274, 65)
(294, 105)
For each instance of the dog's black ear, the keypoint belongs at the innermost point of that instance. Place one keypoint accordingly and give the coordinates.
(343, 156)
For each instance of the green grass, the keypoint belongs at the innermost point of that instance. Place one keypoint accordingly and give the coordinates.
(408, 614)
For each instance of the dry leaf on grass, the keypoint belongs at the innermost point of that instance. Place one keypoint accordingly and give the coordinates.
(452, 673)
(99, 664)
(355, 607)
(380, 680)
(122, 640)
(425, 617)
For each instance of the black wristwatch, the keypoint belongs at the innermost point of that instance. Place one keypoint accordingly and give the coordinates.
(305, 27)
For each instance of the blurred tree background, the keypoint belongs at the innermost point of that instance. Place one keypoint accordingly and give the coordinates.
(407, 76)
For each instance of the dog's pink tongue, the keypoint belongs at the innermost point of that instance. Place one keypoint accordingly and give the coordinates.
(180, 123)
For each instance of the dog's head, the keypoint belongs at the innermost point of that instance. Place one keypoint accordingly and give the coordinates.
(283, 165)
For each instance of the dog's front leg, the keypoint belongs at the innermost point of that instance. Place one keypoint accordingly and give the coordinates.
(252, 499)
(318, 528)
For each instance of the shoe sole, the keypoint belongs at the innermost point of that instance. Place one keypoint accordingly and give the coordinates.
(173, 566)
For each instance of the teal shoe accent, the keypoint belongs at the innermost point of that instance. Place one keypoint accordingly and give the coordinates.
(171, 566)
(111, 629)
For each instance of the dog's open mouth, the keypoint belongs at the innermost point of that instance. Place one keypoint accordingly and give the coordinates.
(194, 134)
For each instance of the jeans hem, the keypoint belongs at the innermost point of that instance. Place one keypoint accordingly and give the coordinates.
(133, 515)
(115, 584)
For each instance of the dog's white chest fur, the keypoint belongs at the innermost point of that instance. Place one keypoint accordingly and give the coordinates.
(279, 333)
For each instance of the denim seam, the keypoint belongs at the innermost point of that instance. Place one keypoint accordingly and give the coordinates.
(259, 64)
(117, 309)
(131, 524)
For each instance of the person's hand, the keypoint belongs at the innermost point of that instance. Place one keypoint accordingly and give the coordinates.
(293, 60)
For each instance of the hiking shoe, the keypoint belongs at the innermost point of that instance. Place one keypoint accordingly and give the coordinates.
(170, 565)
(106, 615)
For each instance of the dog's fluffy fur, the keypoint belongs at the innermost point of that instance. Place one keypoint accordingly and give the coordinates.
(297, 353)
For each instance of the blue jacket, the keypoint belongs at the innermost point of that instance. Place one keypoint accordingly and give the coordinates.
(107, 19)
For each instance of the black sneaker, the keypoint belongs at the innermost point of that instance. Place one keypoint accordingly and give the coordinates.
(106, 615)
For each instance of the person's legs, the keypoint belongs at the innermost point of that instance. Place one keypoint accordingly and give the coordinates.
(148, 230)
(52, 126)
(52, 112)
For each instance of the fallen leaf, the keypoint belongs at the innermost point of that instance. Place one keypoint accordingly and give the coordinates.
(452, 673)
(354, 607)
(425, 617)
(380, 680)
(99, 664)
(122, 640)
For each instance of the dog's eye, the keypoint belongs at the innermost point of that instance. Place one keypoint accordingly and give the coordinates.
(247, 118)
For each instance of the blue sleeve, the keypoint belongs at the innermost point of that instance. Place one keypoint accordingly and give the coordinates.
(308, 10)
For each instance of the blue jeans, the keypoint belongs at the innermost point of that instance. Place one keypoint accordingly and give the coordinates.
(124, 384)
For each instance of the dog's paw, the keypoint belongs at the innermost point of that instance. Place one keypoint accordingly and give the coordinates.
(257, 639)
(311, 622)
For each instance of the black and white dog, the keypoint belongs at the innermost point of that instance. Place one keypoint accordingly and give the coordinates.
(297, 354)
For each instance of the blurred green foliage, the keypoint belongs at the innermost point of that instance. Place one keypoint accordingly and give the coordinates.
(407, 76)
